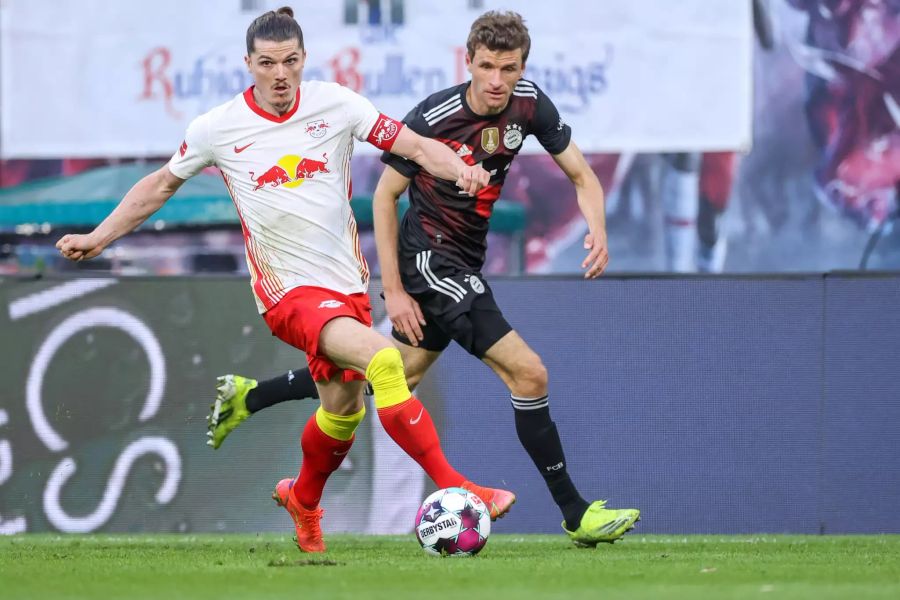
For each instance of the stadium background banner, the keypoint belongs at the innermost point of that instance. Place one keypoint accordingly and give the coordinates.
(716, 405)
(126, 80)
(115, 438)
(817, 192)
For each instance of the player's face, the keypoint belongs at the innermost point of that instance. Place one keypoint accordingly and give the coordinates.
(276, 68)
(494, 76)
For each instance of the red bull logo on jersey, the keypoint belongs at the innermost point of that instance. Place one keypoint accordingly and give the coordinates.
(273, 177)
(308, 167)
(290, 171)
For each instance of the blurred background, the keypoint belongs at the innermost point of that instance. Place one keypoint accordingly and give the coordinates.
(730, 137)
(756, 139)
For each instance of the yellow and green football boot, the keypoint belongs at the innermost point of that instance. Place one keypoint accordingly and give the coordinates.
(229, 409)
(601, 524)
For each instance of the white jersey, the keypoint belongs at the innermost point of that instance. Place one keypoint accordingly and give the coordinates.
(289, 178)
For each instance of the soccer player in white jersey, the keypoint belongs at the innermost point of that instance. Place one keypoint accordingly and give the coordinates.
(283, 147)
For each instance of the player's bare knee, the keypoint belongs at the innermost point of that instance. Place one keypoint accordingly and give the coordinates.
(530, 379)
(415, 364)
(413, 379)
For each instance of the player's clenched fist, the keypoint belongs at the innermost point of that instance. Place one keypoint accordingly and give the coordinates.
(472, 178)
(78, 247)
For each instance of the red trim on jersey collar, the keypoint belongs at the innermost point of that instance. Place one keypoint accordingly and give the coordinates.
(251, 102)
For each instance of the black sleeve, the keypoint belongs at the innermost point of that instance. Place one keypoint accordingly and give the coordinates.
(404, 166)
(549, 128)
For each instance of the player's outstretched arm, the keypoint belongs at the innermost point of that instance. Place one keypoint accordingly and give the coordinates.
(145, 198)
(440, 160)
(402, 309)
(592, 204)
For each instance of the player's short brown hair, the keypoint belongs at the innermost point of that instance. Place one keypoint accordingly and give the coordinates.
(499, 31)
(274, 26)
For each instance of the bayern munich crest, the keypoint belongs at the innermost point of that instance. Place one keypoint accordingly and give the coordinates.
(512, 136)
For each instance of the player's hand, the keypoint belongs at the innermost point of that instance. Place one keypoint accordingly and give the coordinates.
(405, 315)
(79, 247)
(472, 178)
(597, 258)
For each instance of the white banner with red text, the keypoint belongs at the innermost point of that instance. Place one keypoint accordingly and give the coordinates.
(103, 78)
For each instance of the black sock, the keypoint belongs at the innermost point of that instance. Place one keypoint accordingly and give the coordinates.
(293, 385)
(538, 435)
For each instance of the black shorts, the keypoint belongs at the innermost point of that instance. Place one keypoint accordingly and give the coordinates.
(458, 305)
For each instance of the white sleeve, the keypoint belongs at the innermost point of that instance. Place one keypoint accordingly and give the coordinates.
(361, 113)
(195, 152)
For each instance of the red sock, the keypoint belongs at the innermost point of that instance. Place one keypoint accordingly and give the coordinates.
(322, 455)
(410, 425)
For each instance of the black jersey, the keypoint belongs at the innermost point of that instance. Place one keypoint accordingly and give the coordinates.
(441, 217)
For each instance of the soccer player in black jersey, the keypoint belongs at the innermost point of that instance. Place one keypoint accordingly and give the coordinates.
(431, 261)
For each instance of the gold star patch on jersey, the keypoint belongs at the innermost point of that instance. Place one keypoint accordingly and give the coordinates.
(490, 139)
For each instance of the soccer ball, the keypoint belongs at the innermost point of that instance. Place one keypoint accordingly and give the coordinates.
(453, 522)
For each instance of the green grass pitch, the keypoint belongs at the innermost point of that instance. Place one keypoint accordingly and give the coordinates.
(171, 567)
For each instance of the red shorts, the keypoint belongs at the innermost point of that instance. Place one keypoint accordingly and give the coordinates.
(299, 317)
(716, 175)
